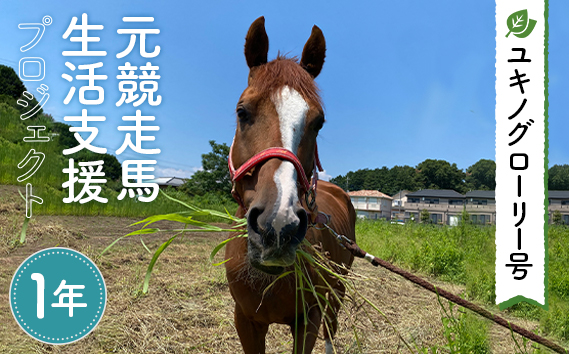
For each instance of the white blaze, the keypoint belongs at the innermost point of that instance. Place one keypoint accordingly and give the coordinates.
(291, 109)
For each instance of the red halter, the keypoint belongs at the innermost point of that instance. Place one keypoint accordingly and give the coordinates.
(309, 190)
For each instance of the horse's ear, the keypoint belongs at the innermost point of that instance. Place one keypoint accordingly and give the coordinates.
(314, 52)
(256, 44)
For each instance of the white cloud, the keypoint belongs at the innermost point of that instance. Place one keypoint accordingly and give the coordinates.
(174, 172)
(324, 176)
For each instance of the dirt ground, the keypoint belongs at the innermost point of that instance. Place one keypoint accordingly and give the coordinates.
(188, 308)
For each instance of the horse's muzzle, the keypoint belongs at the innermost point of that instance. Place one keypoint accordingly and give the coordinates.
(271, 246)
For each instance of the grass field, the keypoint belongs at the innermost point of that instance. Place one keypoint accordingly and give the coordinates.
(465, 255)
(47, 181)
(189, 310)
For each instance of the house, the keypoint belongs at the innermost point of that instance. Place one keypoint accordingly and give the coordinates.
(559, 201)
(444, 205)
(165, 182)
(397, 206)
(481, 205)
(371, 204)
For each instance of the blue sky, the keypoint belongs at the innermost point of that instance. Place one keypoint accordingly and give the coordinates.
(403, 81)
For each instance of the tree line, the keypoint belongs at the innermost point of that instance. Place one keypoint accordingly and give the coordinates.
(437, 174)
(429, 174)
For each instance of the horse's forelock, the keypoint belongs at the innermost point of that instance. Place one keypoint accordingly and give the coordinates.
(285, 71)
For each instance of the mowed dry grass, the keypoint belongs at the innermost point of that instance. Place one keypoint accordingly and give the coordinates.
(188, 308)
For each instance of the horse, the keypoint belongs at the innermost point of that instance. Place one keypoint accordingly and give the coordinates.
(279, 116)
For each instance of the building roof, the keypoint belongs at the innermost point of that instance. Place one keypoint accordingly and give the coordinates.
(368, 193)
(481, 194)
(558, 194)
(168, 181)
(439, 193)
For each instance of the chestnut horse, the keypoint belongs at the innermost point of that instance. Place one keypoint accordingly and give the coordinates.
(281, 109)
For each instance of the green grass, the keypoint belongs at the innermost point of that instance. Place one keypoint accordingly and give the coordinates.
(464, 331)
(47, 181)
(127, 207)
(452, 254)
(465, 255)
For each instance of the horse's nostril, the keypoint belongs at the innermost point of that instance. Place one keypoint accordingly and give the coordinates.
(302, 226)
(253, 218)
(302, 216)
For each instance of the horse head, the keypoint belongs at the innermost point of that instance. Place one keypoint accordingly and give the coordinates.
(280, 108)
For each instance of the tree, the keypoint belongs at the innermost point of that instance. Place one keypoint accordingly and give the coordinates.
(425, 217)
(557, 218)
(352, 181)
(559, 178)
(215, 174)
(465, 217)
(402, 178)
(388, 181)
(439, 174)
(111, 166)
(12, 88)
(66, 139)
(481, 175)
(10, 83)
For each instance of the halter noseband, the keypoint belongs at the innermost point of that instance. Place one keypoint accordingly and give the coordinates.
(308, 189)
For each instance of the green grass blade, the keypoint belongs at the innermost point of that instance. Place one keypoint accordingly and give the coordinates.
(221, 245)
(137, 232)
(153, 261)
(191, 207)
(209, 211)
(222, 262)
(170, 217)
(24, 229)
(274, 281)
(21, 195)
(143, 244)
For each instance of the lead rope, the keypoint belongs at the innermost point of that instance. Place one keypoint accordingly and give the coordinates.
(351, 246)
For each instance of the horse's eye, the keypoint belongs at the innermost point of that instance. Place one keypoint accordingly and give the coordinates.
(242, 114)
(319, 123)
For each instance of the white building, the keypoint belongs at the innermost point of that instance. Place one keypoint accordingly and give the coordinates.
(371, 204)
(398, 206)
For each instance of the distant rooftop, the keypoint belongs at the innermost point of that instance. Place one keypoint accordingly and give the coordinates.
(440, 193)
(558, 194)
(369, 193)
(168, 181)
(481, 194)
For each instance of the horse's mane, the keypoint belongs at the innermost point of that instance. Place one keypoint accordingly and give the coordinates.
(270, 77)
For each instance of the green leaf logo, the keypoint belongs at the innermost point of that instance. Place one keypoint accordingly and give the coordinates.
(520, 24)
